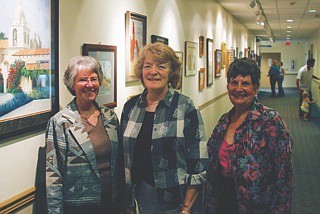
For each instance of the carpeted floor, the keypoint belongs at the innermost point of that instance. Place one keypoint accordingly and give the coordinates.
(306, 150)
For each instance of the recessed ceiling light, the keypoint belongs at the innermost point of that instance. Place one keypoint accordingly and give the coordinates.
(289, 20)
(288, 38)
(312, 11)
(289, 27)
(288, 31)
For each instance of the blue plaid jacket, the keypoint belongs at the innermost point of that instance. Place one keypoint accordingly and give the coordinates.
(179, 152)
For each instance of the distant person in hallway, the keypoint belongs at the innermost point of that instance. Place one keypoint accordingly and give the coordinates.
(303, 82)
(250, 166)
(164, 139)
(273, 74)
(84, 166)
(280, 79)
(305, 106)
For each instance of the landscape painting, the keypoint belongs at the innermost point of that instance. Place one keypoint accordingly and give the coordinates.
(27, 64)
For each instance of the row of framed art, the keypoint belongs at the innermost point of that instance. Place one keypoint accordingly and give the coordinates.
(14, 122)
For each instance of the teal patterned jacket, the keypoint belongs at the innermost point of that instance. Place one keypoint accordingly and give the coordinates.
(261, 162)
(72, 175)
(179, 146)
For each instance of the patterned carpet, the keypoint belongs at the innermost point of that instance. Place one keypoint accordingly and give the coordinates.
(306, 150)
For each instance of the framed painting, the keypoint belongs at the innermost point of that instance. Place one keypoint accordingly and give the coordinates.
(201, 46)
(156, 38)
(191, 53)
(107, 56)
(202, 79)
(178, 87)
(209, 62)
(217, 63)
(136, 38)
(29, 76)
(223, 54)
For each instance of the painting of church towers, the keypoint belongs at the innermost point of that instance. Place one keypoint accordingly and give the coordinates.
(24, 58)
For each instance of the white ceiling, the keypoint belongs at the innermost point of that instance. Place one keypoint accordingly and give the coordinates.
(277, 12)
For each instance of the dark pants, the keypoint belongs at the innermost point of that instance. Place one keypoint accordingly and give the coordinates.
(273, 81)
(227, 200)
(147, 200)
(300, 102)
(280, 81)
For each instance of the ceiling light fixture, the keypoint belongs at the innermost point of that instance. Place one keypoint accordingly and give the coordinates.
(262, 18)
(289, 20)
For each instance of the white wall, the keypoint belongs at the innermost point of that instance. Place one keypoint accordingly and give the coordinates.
(103, 21)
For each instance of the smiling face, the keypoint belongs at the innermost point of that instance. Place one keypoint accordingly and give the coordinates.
(155, 74)
(86, 87)
(241, 91)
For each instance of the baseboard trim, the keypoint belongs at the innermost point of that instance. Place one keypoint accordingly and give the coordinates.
(17, 201)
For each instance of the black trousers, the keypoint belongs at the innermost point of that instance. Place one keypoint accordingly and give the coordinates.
(273, 81)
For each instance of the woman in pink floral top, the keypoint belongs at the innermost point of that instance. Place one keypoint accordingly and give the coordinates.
(250, 166)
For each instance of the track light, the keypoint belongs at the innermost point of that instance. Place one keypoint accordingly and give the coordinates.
(252, 4)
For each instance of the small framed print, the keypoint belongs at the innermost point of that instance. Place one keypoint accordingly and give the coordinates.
(202, 78)
(107, 56)
(201, 46)
(155, 38)
(178, 87)
(210, 67)
(191, 53)
(217, 62)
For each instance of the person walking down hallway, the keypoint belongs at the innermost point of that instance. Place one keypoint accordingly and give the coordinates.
(84, 166)
(273, 75)
(164, 139)
(250, 151)
(280, 79)
(303, 82)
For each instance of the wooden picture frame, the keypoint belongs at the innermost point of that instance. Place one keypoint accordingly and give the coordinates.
(136, 38)
(156, 38)
(191, 53)
(202, 79)
(29, 79)
(217, 63)
(179, 85)
(210, 59)
(223, 54)
(107, 56)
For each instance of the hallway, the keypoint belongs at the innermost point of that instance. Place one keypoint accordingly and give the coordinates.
(306, 157)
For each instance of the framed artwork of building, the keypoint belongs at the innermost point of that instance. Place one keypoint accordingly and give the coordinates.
(29, 66)
(107, 57)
